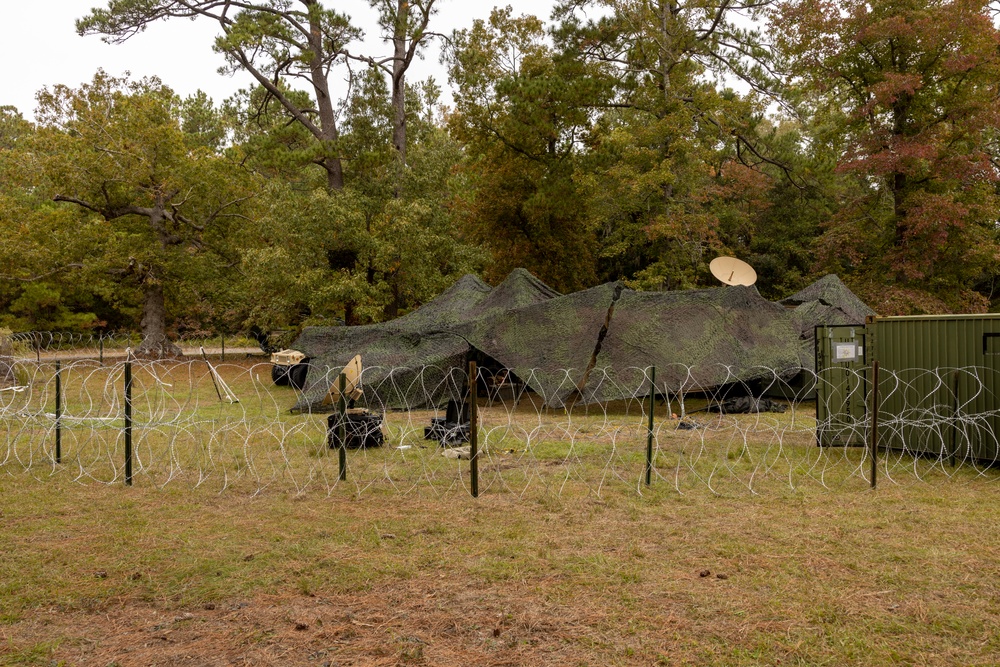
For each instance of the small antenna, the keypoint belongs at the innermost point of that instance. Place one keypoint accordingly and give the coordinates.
(732, 271)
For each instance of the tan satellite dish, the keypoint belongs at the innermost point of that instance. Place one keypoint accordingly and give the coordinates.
(352, 384)
(732, 271)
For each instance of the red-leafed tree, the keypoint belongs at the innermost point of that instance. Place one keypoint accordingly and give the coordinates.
(906, 91)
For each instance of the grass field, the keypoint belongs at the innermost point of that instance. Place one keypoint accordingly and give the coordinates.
(559, 562)
(92, 575)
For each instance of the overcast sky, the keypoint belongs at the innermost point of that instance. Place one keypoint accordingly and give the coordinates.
(39, 47)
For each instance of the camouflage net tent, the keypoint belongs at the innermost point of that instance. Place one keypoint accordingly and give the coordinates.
(597, 345)
(696, 340)
(549, 345)
(590, 346)
(417, 360)
(828, 301)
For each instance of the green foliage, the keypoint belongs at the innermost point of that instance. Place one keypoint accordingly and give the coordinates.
(606, 146)
(13, 127)
(521, 112)
(41, 307)
(367, 252)
(202, 122)
(673, 163)
(267, 143)
(909, 88)
(147, 205)
(612, 155)
(793, 211)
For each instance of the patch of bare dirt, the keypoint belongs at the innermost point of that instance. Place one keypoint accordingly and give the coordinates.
(430, 620)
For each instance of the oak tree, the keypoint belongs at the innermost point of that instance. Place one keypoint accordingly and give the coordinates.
(115, 149)
(279, 43)
(908, 92)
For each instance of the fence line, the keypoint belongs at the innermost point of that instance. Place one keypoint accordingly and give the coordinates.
(227, 427)
(114, 345)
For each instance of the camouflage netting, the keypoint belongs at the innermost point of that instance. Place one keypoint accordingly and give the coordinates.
(723, 335)
(549, 345)
(828, 301)
(401, 369)
(590, 346)
(518, 290)
(417, 360)
(450, 308)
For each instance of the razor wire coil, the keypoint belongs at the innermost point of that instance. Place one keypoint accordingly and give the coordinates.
(188, 430)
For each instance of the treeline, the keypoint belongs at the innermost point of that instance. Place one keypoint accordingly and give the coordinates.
(622, 139)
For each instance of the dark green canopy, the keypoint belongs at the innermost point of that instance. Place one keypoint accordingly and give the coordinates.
(419, 359)
(590, 346)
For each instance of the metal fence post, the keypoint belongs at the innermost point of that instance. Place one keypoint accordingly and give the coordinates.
(58, 412)
(649, 425)
(474, 428)
(128, 423)
(223, 347)
(954, 425)
(873, 435)
(342, 426)
(100, 343)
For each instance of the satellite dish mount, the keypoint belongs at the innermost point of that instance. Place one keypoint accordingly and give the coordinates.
(732, 271)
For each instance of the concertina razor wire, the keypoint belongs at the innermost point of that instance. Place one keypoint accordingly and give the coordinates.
(227, 427)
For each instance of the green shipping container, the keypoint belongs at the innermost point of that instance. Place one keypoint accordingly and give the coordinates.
(939, 378)
(939, 385)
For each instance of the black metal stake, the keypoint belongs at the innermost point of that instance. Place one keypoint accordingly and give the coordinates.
(649, 426)
(128, 423)
(58, 412)
(873, 435)
(954, 426)
(223, 347)
(342, 426)
(100, 342)
(474, 428)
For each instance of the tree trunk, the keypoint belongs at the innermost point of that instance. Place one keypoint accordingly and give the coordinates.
(898, 208)
(399, 65)
(334, 174)
(155, 344)
(391, 309)
(327, 115)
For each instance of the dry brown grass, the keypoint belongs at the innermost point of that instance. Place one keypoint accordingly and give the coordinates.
(560, 562)
(98, 576)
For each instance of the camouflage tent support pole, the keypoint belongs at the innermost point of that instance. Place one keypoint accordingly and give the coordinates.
(649, 425)
(473, 428)
(128, 423)
(342, 426)
(58, 412)
(873, 435)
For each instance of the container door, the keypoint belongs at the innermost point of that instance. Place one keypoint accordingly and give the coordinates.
(841, 387)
